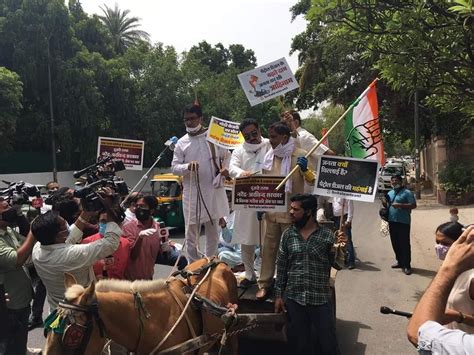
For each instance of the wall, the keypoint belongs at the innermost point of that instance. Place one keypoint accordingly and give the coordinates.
(435, 154)
(65, 178)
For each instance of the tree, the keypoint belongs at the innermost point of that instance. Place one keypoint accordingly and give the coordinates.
(411, 45)
(10, 105)
(123, 29)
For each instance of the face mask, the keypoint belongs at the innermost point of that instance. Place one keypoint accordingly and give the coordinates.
(454, 218)
(193, 130)
(396, 186)
(302, 222)
(441, 251)
(102, 227)
(9, 216)
(142, 214)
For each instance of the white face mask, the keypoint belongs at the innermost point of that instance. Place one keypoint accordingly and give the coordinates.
(193, 130)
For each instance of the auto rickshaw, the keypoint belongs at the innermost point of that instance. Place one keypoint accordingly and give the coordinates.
(168, 189)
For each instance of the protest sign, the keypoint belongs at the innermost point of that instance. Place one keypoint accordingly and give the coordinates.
(267, 81)
(257, 193)
(350, 178)
(225, 134)
(128, 150)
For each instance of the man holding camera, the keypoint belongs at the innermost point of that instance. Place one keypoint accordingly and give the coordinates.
(58, 250)
(14, 251)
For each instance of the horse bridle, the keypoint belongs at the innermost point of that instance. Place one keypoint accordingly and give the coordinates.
(74, 329)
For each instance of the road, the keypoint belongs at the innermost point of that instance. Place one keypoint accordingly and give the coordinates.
(361, 328)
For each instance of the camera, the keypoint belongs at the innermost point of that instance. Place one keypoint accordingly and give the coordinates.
(99, 175)
(19, 193)
(89, 196)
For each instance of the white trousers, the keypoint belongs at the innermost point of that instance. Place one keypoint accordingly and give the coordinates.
(248, 259)
(211, 239)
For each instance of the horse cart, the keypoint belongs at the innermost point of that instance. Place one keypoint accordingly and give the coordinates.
(194, 310)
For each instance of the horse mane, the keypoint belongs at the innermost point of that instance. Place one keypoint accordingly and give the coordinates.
(126, 286)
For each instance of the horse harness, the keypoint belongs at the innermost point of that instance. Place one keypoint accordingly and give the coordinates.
(75, 336)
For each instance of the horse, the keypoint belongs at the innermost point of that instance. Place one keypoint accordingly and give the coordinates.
(138, 314)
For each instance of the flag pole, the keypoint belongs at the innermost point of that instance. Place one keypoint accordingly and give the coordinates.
(351, 106)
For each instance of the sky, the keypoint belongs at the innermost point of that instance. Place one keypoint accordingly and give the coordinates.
(261, 25)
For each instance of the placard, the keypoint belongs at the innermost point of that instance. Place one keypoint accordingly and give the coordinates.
(128, 150)
(267, 81)
(350, 178)
(258, 193)
(225, 134)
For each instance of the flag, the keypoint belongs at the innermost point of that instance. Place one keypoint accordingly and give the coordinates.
(326, 140)
(363, 136)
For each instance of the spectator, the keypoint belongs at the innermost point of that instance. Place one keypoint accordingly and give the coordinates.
(14, 251)
(460, 304)
(401, 201)
(58, 252)
(453, 214)
(424, 329)
(70, 208)
(302, 285)
(338, 204)
(112, 266)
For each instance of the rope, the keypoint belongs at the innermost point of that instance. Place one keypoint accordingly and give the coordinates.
(182, 313)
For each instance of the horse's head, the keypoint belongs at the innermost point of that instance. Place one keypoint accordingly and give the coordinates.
(75, 326)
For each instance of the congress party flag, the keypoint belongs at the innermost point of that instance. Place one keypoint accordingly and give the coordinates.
(363, 135)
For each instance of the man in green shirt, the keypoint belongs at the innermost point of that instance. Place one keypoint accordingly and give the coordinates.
(302, 285)
(14, 251)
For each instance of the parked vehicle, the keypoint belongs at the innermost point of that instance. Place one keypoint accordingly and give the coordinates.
(168, 189)
(387, 172)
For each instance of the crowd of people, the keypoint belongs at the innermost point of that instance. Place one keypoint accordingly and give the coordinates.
(296, 245)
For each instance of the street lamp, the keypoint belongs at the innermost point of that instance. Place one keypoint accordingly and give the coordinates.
(51, 113)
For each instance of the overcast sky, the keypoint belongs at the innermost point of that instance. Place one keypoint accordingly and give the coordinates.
(262, 25)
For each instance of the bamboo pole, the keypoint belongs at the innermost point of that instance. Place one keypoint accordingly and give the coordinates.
(351, 106)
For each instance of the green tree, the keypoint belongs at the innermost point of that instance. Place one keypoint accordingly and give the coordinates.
(123, 29)
(411, 45)
(10, 105)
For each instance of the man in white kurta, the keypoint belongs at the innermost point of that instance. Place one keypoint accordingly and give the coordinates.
(247, 160)
(203, 167)
(305, 140)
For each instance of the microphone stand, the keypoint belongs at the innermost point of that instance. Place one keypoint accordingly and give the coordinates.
(145, 176)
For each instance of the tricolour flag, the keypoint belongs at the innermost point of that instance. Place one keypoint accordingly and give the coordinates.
(363, 136)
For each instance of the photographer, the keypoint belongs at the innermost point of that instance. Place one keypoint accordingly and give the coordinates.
(69, 208)
(14, 251)
(58, 251)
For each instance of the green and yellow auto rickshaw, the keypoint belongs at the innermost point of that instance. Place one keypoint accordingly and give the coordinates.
(168, 189)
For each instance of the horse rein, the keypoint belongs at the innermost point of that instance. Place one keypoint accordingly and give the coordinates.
(75, 329)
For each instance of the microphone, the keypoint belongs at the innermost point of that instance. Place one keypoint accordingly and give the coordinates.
(170, 143)
(386, 310)
(79, 173)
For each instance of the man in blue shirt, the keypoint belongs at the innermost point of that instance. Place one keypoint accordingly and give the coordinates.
(401, 202)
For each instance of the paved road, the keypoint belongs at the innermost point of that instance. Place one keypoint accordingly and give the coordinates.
(360, 292)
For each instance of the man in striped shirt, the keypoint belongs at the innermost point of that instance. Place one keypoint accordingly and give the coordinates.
(302, 285)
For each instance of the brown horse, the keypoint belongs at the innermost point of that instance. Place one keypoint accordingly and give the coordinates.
(138, 315)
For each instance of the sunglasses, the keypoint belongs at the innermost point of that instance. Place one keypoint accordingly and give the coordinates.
(249, 136)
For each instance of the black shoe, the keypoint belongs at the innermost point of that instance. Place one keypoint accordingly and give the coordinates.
(246, 283)
(396, 266)
(407, 270)
(351, 266)
(34, 323)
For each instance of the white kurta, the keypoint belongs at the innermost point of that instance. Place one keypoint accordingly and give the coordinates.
(196, 148)
(246, 226)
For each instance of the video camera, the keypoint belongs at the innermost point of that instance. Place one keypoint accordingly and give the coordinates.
(19, 193)
(101, 174)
